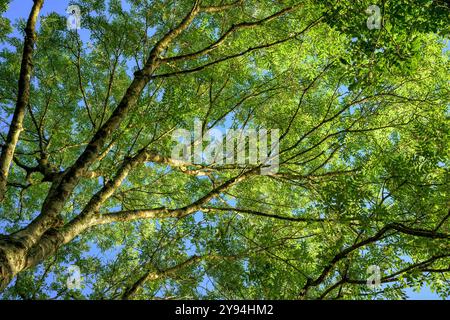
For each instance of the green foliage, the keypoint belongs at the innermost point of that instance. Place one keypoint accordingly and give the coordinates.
(365, 143)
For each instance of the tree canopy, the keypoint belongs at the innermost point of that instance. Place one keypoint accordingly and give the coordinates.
(88, 178)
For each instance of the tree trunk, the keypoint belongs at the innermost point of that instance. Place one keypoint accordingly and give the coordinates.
(18, 253)
(12, 259)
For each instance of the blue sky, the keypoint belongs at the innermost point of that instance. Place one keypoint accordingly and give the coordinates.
(20, 9)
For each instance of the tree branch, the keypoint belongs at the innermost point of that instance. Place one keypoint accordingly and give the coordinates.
(23, 97)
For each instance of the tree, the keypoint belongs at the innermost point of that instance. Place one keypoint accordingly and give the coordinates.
(89, 179)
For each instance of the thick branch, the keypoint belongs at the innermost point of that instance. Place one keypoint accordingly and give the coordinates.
(379, 235)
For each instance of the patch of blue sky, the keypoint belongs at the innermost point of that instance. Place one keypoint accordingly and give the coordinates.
(446, 47)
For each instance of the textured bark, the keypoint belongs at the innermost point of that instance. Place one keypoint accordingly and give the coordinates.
(16, 255)
(12, 259)
(23, 97)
